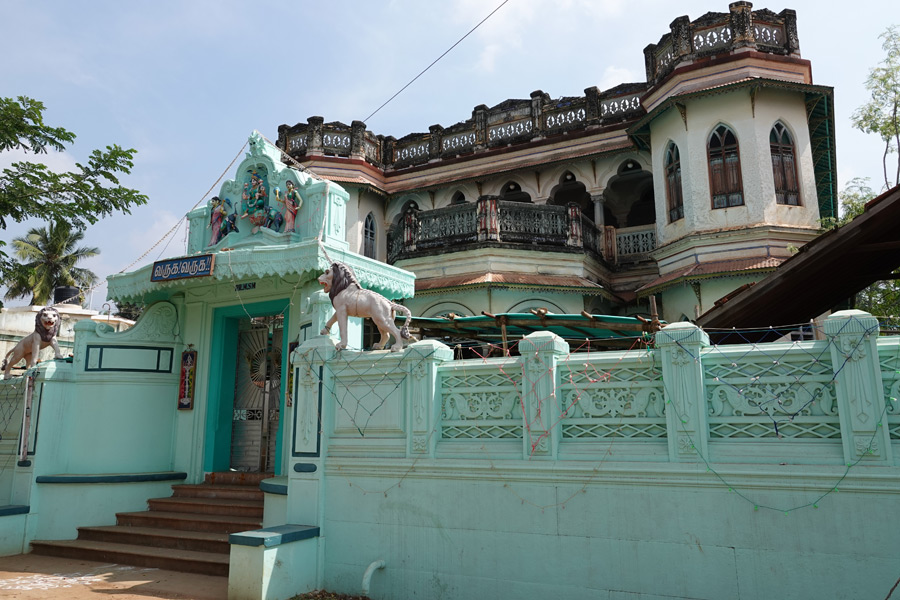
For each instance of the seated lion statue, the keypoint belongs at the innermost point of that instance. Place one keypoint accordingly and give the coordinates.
(46, 328)
(349, 299)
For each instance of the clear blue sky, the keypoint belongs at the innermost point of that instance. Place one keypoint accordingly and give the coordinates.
(185, 83)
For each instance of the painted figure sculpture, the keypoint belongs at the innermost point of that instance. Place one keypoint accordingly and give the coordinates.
(217, 213)
(292, 203)
(255, 197)
(349, 299)
(46, 328)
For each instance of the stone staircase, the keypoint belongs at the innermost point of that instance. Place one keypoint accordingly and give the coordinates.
(187, 532)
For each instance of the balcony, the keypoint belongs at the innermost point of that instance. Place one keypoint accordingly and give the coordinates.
(498, 223)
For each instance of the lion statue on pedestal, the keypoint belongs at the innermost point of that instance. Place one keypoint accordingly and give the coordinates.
(349, 299)
(46, 328)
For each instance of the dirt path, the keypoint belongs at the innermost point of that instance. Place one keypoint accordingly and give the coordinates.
(32, 577)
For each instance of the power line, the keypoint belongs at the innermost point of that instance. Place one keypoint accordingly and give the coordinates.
(446, 52)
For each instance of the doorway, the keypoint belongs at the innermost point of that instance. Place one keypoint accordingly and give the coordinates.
(248, 365)
(257, 391)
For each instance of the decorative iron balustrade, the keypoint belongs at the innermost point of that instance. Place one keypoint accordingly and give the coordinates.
(522, 223)
(491, 220)
(447, 226)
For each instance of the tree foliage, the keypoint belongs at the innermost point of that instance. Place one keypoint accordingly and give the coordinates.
(30, 189)
(49, 258)
(881, 114)
(882, 298)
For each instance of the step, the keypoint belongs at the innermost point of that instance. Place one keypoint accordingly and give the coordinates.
(188, 521)
(206, 563)
(207, 490)
(208, 506)
(179, 539)
(237, 478)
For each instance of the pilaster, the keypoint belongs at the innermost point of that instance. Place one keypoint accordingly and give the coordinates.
(686, 412)
(314, 143)
(860, 394)
(540, 352)
(357, 136)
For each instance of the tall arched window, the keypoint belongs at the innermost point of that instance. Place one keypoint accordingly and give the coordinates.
(673, 183)
(369, 236)
(784, 168)
(726, 187)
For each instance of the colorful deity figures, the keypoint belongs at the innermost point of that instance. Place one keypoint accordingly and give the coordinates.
(217, 213)
(292, 202)
(254, 197)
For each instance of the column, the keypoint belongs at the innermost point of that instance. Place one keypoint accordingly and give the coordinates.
(421, 361)
(686, 411)
(853, 336)
(540, 352)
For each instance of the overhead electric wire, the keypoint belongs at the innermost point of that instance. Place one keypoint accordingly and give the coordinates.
(446, 52)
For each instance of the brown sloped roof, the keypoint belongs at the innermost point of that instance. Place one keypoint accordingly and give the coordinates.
(825, 272)
(707, 270)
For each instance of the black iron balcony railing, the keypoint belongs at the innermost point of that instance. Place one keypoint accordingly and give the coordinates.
(492, 221)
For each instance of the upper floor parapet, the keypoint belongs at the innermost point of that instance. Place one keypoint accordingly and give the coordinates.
(519, 121)
(716, 33)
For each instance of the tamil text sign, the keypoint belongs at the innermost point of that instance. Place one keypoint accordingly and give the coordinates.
(180, 268)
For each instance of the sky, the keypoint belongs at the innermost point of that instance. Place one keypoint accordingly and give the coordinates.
(186, 82)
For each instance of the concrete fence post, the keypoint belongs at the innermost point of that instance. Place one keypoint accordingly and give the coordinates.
(540, 353)
(686, 412)
(422, 398)
(860, 392)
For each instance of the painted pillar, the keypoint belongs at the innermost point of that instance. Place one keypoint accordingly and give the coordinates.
(540, 353)
(309, 437)
(421, 361)
(686, 411)
(860, 393)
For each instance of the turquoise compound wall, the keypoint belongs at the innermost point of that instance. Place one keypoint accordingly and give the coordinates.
(640, 474)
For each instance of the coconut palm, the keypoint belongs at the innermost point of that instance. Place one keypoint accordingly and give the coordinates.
(47, 258)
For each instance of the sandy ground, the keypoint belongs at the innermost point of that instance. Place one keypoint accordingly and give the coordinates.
(32, 577)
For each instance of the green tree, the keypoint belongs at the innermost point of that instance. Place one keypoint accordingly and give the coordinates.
(48, 260)
(881, 114)
(30, 189)
(882, 298)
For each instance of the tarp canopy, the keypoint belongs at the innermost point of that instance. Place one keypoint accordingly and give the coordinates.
(600, 330)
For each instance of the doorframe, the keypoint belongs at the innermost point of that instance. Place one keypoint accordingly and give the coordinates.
(220, 398)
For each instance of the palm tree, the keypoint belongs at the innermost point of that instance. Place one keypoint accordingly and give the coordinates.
(48, 256)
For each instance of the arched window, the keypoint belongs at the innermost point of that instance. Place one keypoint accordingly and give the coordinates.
(726, 187)
(369, 236)
(787, 189)
(458, 198)
(673, 183)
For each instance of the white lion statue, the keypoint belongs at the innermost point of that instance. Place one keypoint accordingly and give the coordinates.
(46, 328)
(349, 299)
